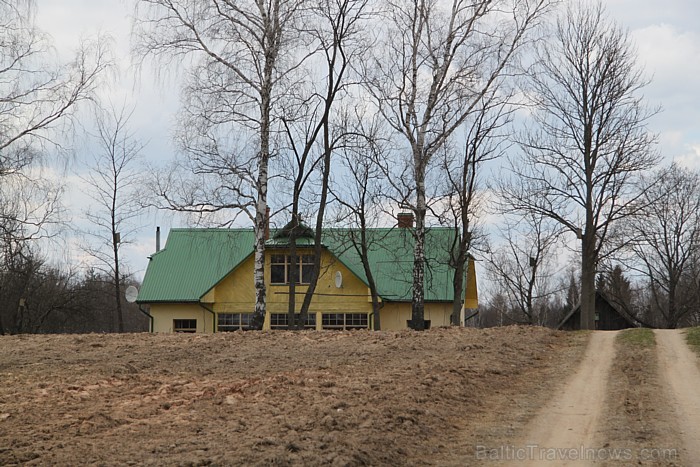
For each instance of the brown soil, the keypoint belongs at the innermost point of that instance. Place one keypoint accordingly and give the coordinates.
(280, 398)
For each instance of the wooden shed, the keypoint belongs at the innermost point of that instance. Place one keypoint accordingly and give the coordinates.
(607, 316)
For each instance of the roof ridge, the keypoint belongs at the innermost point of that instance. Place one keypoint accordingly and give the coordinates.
(211, 229)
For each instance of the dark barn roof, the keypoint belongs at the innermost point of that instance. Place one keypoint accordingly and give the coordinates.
(608, 316)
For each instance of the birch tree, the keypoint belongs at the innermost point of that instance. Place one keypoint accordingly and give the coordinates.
(243, 57)
(589, 142)
(435, 62)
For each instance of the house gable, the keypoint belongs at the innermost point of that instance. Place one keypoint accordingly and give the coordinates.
(235, 292)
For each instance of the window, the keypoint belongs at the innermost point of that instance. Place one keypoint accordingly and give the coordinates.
(280, 321)
(280, 267)
(306, 267)
(344, 321)
(234, 321)
(184, 325)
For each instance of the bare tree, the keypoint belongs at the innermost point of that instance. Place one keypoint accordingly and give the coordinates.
(112, 182)
(244, 57)
(589, 142)
(35, 95)
(522, 267)
(316, 128)
(37, 99)
(359, 193)
(667, 242)
(435, 64)
(483, 142)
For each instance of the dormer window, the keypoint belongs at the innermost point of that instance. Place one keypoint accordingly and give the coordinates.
(280, 269)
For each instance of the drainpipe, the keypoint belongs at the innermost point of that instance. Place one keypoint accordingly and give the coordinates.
(150, 318)
(213, 319)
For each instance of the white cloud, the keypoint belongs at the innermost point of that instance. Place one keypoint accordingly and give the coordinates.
(690, 158)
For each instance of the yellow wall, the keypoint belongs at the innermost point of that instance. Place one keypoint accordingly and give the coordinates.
(471, 295)
(164, 314)
(395, 315)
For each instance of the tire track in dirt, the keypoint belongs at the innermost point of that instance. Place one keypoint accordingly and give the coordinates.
(679, 373)
(571, 420)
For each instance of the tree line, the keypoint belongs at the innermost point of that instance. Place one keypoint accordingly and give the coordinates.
(346, 112)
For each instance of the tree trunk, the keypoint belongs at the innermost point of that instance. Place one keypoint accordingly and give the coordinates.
(117, 285)
(457, 288)
(418, 302)
(292, 273)
(258, 318)
(364, 255)
(588, 271)
(318, 233)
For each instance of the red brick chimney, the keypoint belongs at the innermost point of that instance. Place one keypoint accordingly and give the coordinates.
(405, 220)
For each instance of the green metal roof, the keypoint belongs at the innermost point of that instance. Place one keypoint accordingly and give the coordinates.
(195, 260)
(192, 262)
(391, 259)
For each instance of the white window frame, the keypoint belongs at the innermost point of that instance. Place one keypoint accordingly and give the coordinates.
(310, 321)
(347, 321)
(303, 262)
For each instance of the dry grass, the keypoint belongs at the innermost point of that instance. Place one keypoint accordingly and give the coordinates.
(693, 338)
(640, 338)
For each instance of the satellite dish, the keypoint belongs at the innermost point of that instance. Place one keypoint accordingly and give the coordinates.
(131, 293)
(338, 279)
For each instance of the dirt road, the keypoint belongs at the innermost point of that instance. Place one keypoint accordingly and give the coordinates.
(571, 419)
(575, 427)
(679, 372)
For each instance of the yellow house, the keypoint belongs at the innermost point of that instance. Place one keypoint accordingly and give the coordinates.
(202, 281)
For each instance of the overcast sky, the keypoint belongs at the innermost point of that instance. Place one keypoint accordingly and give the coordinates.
(667, 34)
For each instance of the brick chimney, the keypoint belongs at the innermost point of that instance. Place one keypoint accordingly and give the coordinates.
(405, 220)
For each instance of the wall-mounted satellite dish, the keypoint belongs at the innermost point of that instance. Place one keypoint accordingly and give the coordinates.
(131, 293)
(338, 279)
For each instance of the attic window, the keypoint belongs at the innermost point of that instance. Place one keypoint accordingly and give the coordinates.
(280, 268)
